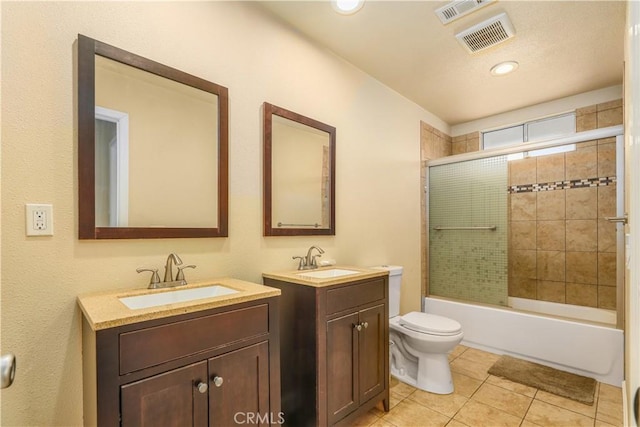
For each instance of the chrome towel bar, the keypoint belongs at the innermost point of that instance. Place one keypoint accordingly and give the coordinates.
(281, 224)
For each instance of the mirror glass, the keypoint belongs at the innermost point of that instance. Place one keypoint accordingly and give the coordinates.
(299, 174)
(152, 148)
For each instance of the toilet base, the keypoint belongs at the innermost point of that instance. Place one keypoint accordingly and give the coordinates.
(434, 374)
(431, 372)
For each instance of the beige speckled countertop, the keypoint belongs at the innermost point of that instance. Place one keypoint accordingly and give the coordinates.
(297, 276)
(103, 310)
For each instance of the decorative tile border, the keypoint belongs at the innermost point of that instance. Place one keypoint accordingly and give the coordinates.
(562, 185)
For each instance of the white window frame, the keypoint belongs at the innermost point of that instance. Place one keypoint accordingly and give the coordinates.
(525, 131)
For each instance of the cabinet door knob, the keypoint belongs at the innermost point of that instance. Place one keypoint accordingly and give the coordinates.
(202, 387)
(365, 324)
(358, 326)
(217, 381)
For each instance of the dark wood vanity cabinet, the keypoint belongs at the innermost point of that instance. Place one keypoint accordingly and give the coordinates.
(335, 350)
(218, 367)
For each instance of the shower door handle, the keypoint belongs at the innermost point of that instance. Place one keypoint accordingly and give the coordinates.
(623, 219)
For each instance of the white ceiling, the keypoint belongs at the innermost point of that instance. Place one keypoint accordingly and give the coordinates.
(563, 47)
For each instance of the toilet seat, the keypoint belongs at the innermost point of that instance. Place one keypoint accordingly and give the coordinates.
(430, 324)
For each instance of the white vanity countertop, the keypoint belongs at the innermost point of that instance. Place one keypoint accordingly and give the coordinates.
(104, 310)
(298, 276)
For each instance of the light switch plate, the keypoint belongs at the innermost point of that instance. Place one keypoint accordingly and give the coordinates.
(39, 219)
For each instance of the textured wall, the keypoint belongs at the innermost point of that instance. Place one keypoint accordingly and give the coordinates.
(232, 44)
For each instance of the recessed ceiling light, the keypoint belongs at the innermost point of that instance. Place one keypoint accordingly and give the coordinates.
(347, 7)
(504, 68)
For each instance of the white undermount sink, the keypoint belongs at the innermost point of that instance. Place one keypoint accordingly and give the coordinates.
(328, 274)
(175, 296)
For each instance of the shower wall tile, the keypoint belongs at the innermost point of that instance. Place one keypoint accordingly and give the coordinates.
(610, 117)
(607, 201)
(520, 287)
(607, 269)
(466, 143)
(607, 159)
(459, 138)
(433, 143)
(523, 264)
(523, 235)
(550, 235)
(458, 147)
(551, 265)
(523, 206)
(607, 297)
(473, 142)
(582, 203)
(609, 105)
(586, 110)
(581, 294)
(551, 291)
(587, 121)
(582, 267)
(610, 140)
(582, 163)
(522, 171)
(582, 235)
(550, 168)
(550, 205)
(606, 236)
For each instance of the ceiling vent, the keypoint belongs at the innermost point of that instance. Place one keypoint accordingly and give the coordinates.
(458, 8)
(486, 34)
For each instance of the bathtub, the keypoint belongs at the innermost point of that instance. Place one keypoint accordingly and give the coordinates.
(591, 349)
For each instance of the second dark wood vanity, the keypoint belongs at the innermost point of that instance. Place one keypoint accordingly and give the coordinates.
(334, 338)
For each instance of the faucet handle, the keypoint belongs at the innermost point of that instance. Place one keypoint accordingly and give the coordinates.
(314, 263)
(155, 278)
(180, 275)
(300, 263)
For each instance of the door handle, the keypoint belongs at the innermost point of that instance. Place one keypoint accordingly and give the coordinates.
(623, 219)
(7, 370)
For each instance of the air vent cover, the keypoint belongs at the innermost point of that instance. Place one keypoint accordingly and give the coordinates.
(458, 8)
(487, 33)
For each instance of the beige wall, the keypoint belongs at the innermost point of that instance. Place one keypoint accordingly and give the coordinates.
(233, 44)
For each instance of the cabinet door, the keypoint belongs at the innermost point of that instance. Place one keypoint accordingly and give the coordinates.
(239, 392)
(372, 352)
(168, 399)
(342, 366)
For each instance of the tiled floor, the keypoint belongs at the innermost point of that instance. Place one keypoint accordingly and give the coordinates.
(481, 399)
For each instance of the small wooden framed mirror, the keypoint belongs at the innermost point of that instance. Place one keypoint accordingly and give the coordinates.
(299, 174)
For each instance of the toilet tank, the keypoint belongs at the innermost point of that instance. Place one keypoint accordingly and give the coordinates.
(395, 281)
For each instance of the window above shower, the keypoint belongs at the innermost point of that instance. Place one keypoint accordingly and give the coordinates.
(535, 130)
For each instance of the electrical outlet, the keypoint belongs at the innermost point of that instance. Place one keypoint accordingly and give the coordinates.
(39, 219)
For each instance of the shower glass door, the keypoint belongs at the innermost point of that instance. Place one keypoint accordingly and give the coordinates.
(468, 234)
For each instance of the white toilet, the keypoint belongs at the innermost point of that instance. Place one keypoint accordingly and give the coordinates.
(419, 343)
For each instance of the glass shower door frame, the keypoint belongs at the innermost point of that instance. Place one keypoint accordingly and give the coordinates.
(613, 131)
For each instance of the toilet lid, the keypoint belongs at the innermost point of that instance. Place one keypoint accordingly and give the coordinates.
(430, 323)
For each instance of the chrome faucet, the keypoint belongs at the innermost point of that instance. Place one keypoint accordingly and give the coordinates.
(168, 270)
(309, 261)
(168, 281)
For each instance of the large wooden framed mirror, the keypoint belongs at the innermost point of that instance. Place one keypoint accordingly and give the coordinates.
(152, 148)
(299, 174)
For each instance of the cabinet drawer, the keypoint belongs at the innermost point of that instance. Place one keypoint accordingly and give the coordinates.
(153, 346)
(354, 295)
